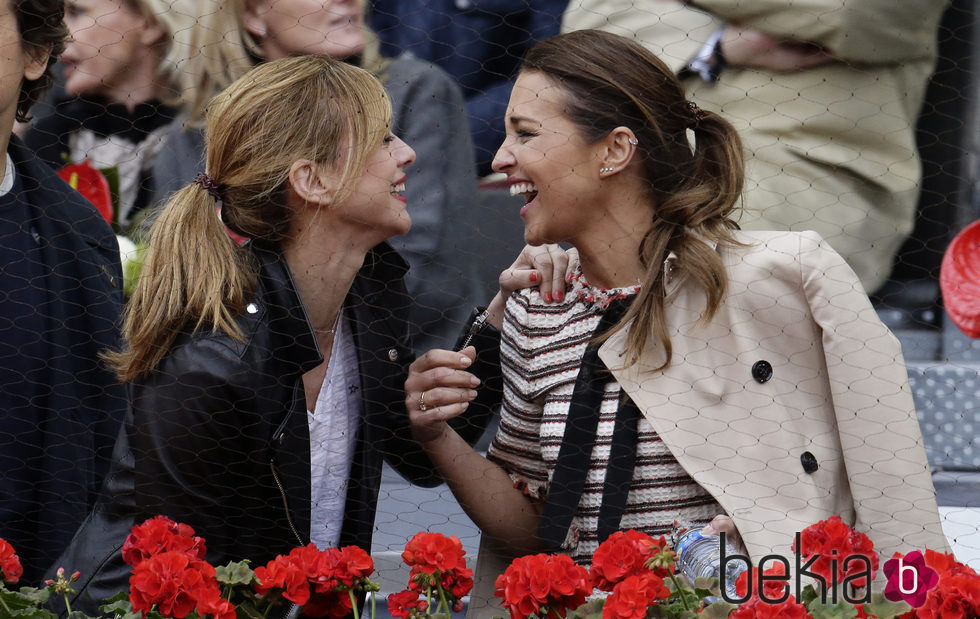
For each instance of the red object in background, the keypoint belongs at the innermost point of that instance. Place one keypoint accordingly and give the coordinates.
(959, 280)
(92, 184)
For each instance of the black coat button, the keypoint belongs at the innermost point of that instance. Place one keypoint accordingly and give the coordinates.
(809, 462)
(761, 371)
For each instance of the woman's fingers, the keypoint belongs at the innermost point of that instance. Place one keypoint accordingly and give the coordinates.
(545, 266)
(722, 523)
(438, 386)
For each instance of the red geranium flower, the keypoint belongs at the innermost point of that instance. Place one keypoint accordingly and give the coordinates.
(92, 184)
(161, 534)
(434, 552)
(623, 554)
(958, 593)
(542, 584)
(828, 536)
(174, 583)
(633, 595)
(281, 573)
(10, 568)
(318, 580)
(402, 604)
(333, 604)
(758, 609)
(350, 564)
(773, 589)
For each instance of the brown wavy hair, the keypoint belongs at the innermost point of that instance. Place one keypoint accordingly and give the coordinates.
(611, 81)
(42, 30)
(194, 276)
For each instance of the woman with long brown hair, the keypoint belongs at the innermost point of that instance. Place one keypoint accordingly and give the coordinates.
(693, 373)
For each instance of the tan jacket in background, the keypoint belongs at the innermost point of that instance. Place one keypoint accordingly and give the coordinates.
(830, 149)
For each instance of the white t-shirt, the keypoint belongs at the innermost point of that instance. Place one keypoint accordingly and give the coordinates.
(333, 428)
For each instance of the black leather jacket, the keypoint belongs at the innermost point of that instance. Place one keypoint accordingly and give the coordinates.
(219, 432)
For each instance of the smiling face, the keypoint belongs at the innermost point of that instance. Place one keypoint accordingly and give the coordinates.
(547, 160)
(294, 27)
(376, 200)
(111, 49)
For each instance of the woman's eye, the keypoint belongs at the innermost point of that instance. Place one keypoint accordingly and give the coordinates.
(389, 139)
(525, 135)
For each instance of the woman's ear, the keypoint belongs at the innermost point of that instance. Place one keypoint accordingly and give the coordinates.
(253, 19)
(152, 32)
(616, 150)
(312, 183)
(36, 60)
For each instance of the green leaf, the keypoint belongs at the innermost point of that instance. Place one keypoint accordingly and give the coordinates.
(119, 606)
(840, 610)
(32, 612)
(590, 610)
(25, 597)
(718, 610)
(808, 596)
(883, 608)
(112, 177)
(235, 573)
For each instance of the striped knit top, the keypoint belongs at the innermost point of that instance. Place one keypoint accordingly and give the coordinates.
(541, 350)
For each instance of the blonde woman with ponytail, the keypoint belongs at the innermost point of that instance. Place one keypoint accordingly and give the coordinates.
(265, 379)
(690, 372)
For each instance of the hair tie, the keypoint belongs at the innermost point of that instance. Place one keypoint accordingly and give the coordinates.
(209, 185)
(697, 114)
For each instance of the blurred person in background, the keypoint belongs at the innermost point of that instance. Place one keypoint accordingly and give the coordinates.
(119, 75)
(478, 42)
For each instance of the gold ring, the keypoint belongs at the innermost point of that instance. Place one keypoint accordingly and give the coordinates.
(422, 406)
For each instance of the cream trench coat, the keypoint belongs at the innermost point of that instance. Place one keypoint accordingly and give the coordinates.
(792, 405)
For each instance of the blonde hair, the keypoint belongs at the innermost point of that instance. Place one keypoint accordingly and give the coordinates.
(194, 276)
(176, 18)
(613, 81)
(217, 50)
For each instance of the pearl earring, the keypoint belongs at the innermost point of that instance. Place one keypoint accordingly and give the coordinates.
(605, 170)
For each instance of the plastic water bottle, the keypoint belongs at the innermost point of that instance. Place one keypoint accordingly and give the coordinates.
(699, 556)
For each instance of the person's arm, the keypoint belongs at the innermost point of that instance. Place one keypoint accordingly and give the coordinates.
(483, 489)
(196, 445)
(854, 31)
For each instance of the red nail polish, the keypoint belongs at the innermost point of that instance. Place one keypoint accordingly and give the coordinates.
(560, 295)
(547, 297)
(533, 276)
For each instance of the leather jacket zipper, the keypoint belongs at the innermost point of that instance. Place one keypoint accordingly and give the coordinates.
(285, 502)
(478, 323)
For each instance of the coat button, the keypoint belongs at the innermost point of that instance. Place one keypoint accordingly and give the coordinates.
(251, 308)
(809, 462)
(761, 371)
(393, 354)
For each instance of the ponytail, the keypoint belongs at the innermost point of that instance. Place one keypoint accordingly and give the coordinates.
(696, 213)
(193, 275)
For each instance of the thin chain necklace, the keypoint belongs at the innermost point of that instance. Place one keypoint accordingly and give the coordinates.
(336, 323)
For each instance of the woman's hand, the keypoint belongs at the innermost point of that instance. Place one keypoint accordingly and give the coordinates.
(723, 523)
(545, 266)
(754, 49)
(437, 389)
